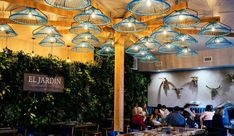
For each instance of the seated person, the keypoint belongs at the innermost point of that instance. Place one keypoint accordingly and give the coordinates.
(206, 117)
(164, 111)
(217, 123)
(175, 118)
(156, 117)
(137, 121)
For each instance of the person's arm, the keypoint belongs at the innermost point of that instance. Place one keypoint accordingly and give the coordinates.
(201, 118)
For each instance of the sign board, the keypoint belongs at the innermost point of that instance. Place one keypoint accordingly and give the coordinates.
(43, 83)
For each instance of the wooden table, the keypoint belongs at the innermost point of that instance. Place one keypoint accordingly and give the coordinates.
(170, 131)
(8, 131)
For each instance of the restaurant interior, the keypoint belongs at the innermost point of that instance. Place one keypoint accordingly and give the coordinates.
(116, 67)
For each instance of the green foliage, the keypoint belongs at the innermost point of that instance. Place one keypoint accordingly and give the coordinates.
(88, 93)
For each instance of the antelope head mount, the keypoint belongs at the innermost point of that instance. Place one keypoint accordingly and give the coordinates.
(165, 84)
(194, 81)
(230, 77)
(178, 92)
(214, 91)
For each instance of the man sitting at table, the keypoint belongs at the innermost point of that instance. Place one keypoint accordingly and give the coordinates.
(175, 118)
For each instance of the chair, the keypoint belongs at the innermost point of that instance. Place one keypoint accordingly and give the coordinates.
(93, 132)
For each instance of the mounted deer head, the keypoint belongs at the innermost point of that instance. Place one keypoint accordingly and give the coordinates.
(165, 84)
(194, 81)
(178, 92)
(214, 91)
(230, 77)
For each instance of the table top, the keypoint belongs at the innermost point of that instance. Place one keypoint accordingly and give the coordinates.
(74, 124)
(8, 131)
(168, 131)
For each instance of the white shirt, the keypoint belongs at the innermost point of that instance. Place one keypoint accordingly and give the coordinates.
(164, 113)
(207, 115)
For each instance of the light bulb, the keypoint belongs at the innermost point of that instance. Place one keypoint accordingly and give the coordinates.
(32, 54)
(107, 49)
(85, 27)
(135, 48)
(86, 38)
(181, 17)
(93, 15)
(212, 29)
(30, 14)
(52, 39)
(129, 24)
(68, 60)
(112, 43)
(82, 45)
(2, 29)
(217, 41)
(183, 39)
(164, 32)
(142, 53)
(148, 3)
(49, 31)
(168, 46)
(186, 51)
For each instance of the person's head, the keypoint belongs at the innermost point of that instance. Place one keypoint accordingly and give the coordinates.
(187, 105)
(164, 107)
(159, 106)
(219, 111)
(139, 110)
(209, 108)
(145, 106)
(176, 109)
(156, 111)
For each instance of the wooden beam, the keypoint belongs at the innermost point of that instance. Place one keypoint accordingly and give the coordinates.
(50, 22)
(44, 7)
(119, 85)
(96, 4)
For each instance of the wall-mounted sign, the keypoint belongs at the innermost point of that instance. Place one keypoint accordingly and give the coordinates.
(43, 83)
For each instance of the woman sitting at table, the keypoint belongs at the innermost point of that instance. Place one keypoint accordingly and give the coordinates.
(156, 118)
(206, 117)
(137, 121)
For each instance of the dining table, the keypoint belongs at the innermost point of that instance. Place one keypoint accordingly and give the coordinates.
(167, 131)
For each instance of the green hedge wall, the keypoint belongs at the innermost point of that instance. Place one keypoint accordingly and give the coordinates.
(88, 93)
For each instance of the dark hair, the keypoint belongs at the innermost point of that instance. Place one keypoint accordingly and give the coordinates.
(176, 108)
(159, 106)
(187, 105)
(209, 108)
(164, 106)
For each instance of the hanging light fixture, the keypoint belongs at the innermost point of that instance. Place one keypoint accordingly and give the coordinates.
(33, 53)
(148, 7)
(109, 43)
(168, 48)
(135, 48)
(182, 18)
(141, 53)
(77, 28)
(93, 16)
(28, 16)
(184, 40)
(149, 58)
(215, 28)
(149, 42)
(7, 31)
(186, 52)
(44, 31)
(164, 34)
(85, 37)
(218, 42)
(68, 60)
(106, 50)
(129, 25)
(51, 41)
(69, 4)
(83, 47)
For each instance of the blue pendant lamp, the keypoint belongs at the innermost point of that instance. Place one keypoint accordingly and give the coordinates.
(44, 31)
(218, 42)
(51, 41)
(168, 48)
(106, 50)
(182, 18)
(186, 52)
(129, 25)
(69, 4)
(109, 43)
(215, 28)
(85, 37)
(135, 48)
(93, 16)
(141, 53)
(28, 16)
(164, 34)
(148, 7)
(184, 40)
(83, 47)
(149, 58)
(7, 31)
(149, 42)
(78, 28)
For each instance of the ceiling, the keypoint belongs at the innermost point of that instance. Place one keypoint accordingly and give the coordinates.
(116, 9)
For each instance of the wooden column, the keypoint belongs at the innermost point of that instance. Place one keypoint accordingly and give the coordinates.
(119, 85)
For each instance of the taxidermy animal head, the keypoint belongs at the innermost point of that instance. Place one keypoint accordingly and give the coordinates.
(230, 77)
(178, 92)
(214, 91)
(194, 81)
